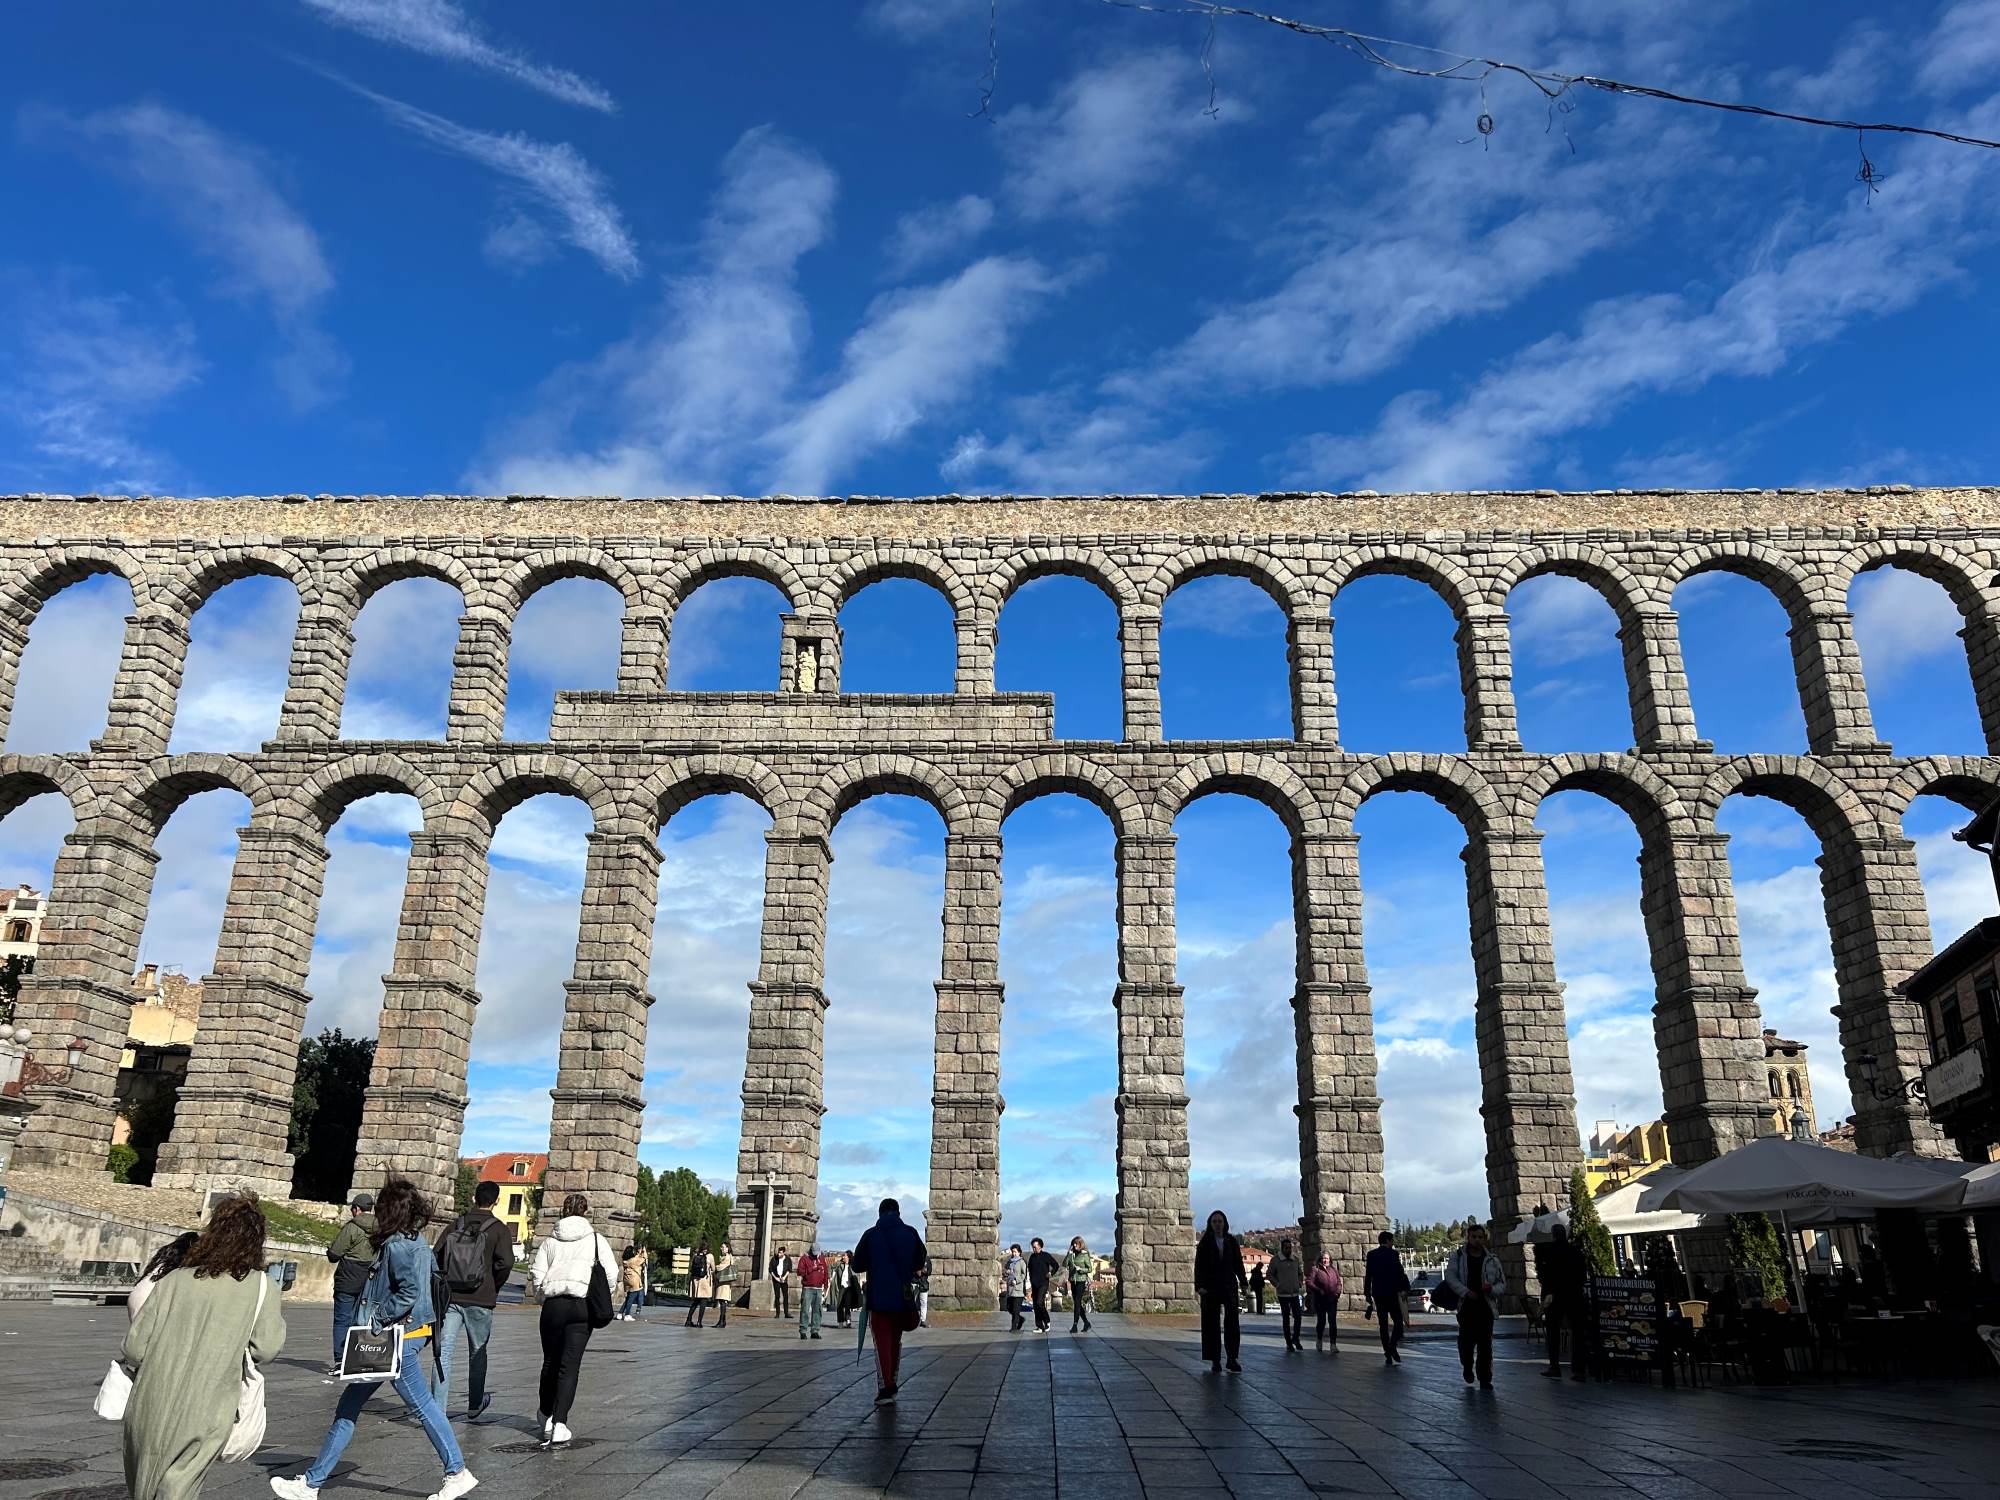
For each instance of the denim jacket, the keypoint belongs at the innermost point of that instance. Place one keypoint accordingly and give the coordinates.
(399, 1286)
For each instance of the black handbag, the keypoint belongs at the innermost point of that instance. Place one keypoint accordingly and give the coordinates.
(597, 1304)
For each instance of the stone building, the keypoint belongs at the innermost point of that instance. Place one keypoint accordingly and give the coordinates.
(1790, 1082)
(159, 1039)
(809, 752)
(21, 923)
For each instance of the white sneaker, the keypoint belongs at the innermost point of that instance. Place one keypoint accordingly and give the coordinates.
(559, 1434)
(292, 1489)
(455, 1485)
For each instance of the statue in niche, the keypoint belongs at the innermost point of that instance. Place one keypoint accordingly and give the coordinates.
(808, 666)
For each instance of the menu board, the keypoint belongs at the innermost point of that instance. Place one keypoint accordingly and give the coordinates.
(1628, 1319)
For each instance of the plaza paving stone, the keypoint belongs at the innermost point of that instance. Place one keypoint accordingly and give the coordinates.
(1129, 1412)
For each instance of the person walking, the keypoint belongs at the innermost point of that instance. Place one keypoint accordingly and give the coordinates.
(1013, 1281)
(1218, 1284)
(836, 1288)
(1323, 1281)
(398, 1294)
(781, 1268)
(476, 1256)
(699, 1286)
(921, 1284)
(202, 1318)
(814, 1274)
(724, 1273)
(1288, 1281)
(632, 1273)
(1078, 1268)
(563, 1267)
(1474, 1274)
(166, 1260)
(1565, 1278)
(891, 1254)
(353, 1255)
(1041, 1270)
(850, 1290)
(1384, 1283)
(1257, 1286)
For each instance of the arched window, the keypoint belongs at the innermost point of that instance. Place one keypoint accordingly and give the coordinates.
(1736, 647)
(399, 677)
(1919, 685)
(63, 692)
(897, 636)
(238, 659)
(1776, 1091)
(1570, 691)
(1395, 667)
(1059, 634)
(724, 638)
(1223, 673)
(565, 637)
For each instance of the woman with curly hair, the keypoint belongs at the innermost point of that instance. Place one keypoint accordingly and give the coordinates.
(399, 1291)
(185, 1353)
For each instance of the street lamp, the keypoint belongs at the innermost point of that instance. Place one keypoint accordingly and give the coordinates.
(33, 1072)
(1913, 1089)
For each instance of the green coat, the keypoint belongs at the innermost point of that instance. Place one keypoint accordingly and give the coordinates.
(185, 1352)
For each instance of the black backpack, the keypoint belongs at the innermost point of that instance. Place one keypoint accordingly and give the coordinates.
(464, 1260)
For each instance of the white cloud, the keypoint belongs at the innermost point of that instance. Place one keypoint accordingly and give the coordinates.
(1964, 49)
(85, 374)
(224, 196)
(238, 662)
(919, 20)
(1059, 449)
(439, 28)
(1900, 619)
(935, 231)
(1109, 132)
(399, 677)
(1556, 620)
(63, 692)
(553, 176)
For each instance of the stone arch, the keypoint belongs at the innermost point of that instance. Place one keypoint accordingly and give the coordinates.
(497, 790)
(1268, 780)
(1044, 775)
(873, 775)
(55, 570)
(226, 565)
(1953, 570)
(162, 785)
(1466, 793)
(532, 574)
(1286, 590)
(1623, 590)
(679, 782)
(367, 576)
(1630, 785)
(25, 777)
(730, 561)
(1832, 808)
(1055, 560)
(1447, 578)
(855, 573)
(1778, 572)
(328, 794)
(1972, 781)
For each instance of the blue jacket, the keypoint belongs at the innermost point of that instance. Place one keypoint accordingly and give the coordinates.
(399, 1287)
(890, 1254)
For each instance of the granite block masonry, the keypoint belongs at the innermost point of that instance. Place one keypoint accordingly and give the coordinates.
(808, 752)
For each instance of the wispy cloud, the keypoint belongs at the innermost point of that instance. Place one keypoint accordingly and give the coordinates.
(439, 28)
(224, 196)
(936, 230)
(552, 174)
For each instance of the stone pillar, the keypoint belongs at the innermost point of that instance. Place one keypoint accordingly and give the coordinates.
(316, 691)
(414, 1112)
(1528, 1097)
(783, 1097)
(962, 1222)
(1340, 1113)
(601, 1067)
(1706, 1024)
(1486, 676)
(1139, 649)
(1309, 654)
(140, 720)
(478, 706)
(978, 657)
(235, 1108)
(1881, 935)
(13, 647)
(1831, 686)
(82, 989)
(642, 652)
(1982, 653)
(809, 653)
(1656, 679)
(1155, 1250)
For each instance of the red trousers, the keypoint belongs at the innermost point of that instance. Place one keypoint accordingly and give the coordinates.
(886, 1328)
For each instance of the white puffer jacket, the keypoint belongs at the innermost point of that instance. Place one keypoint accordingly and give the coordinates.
(562, 1265)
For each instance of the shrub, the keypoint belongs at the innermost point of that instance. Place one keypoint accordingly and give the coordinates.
(119, 1162)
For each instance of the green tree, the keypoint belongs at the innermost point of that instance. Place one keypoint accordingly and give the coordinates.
(326, 1113)
(677, 1208)
(462, 1186)
(151, 1121)
(1586, 1229)
(1754, 1245)
(12, 972)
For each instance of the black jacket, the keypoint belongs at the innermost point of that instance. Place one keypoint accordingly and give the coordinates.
(1218, 1273)
(1561, 1270)
(1041, 1267)
(500, 1255)
(1384, 1276)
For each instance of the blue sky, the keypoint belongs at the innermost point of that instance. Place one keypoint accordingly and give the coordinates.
(398, 245)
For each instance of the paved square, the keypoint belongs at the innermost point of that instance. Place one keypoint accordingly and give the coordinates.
(1129, 1411)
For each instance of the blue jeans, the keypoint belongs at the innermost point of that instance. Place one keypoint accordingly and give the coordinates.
(416, 1395)
(476, 1323)
(344, 1304)
(635, 1303)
